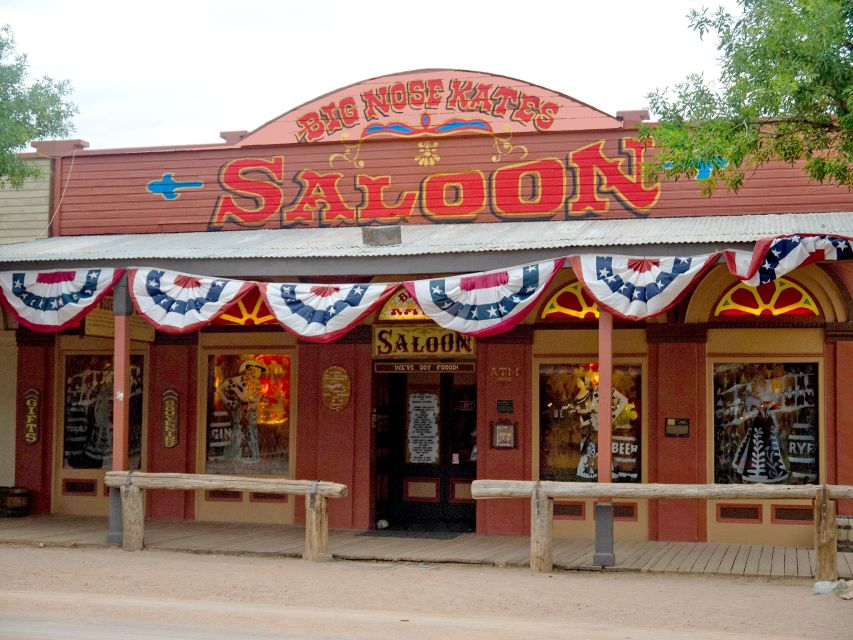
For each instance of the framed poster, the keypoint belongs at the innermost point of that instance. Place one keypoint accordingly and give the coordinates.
(766, 422)
(569, 423)
(88, 412)
(504, 434)
(248, 414)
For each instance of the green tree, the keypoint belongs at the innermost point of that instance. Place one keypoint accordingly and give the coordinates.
(785, 93)
(28, 111)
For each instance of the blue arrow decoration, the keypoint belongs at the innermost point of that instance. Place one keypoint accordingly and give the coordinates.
(168, 188)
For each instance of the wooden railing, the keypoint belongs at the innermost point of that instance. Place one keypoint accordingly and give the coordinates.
(131, 484)
(542, 495)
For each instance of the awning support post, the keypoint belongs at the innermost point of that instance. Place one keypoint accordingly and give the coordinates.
(122, 309)
(603, 555)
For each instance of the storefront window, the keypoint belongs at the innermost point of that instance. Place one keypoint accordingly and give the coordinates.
(568, 426)
(88, 413)
(765, 423)
(248, 414)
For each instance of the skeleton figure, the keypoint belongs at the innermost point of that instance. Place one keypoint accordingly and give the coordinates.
(241, 394)
(759, 454)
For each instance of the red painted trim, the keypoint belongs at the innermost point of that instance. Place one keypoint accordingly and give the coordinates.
(582, 506)
(208, 497)
(435, 481)
(280, 498)
(616, 518)
(454, 482)
(776, 508)
(757, 520)
(67, 492)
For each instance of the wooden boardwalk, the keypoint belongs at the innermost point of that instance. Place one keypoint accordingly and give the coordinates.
(277, 540)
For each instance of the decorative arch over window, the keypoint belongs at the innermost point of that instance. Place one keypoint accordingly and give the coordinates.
(570, 302)
(248, 311)
(781, 297)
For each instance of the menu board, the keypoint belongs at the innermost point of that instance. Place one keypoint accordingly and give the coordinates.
(422, 441)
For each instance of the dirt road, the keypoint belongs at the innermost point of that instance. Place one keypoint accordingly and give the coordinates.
(108, 593)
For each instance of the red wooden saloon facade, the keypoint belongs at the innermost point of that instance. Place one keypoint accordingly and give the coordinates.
(724, 347)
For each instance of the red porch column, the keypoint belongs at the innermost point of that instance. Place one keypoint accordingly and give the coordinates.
(605, 395)
(122, 308)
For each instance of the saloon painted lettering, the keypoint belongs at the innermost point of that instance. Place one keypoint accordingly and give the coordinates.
(420, 342)
(586, 182)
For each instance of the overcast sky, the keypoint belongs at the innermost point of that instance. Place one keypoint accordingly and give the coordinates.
(180, 71)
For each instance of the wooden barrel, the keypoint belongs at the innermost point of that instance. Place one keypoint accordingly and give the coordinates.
(14, 502)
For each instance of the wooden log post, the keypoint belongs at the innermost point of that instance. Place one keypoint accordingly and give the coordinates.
(132, 517)
(541, 531)
(825, 537)
(316, 527)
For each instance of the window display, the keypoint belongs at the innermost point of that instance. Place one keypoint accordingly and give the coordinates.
(568, 426)
(248, 404)
(88, 413)
(765, 423)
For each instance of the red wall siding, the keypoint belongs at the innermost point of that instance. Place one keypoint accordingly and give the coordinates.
(105, 192)
(677, 379)
(503, 517)
(336, 445)
(172, 366)
(843, 404)
(34, 463)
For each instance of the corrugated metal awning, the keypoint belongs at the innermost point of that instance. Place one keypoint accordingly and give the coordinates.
(423, 248)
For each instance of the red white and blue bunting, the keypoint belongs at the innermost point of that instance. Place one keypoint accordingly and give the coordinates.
(323, 312)
(178, 303)
(487, 303)
(774, 257)
(50, 301)
(478, 304)
(637, 288)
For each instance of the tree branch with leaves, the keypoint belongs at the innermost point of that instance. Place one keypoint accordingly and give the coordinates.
(29, 110)
(785, 94)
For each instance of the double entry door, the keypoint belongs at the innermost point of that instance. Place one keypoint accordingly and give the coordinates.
(426, 451)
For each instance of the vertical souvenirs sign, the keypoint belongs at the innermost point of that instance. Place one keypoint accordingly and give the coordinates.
(88, 412)
(170, 410)
(569, 422)
(766, 423)
(422, 437)
(248, 414)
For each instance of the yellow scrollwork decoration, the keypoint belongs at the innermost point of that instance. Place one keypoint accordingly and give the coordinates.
(503, 145)
(350, 153)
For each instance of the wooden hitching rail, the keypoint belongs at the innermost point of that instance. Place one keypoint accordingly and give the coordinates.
(316, 520)
(542, 494)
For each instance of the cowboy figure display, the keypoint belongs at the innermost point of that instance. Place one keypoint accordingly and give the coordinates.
(248, 414)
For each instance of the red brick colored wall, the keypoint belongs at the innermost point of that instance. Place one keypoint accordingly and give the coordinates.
(34, 463)
(336, 446)
(677, 376)
(503, 517)
(172, 366)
